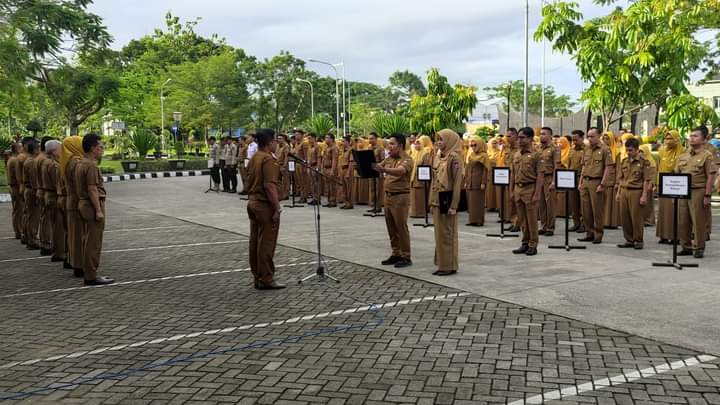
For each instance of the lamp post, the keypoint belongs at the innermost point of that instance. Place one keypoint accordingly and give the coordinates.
(542, 86)
(312, 95)
(525, 86)
(162, 114)
(337, 93)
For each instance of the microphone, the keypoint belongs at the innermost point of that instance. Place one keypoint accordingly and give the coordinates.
(296, 157)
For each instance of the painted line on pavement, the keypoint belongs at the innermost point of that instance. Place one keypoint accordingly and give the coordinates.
(149, 280)
(149, 229)
(138, 249)
(626, 377)
(231, 329)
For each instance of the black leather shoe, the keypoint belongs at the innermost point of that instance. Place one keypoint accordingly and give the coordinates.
(17, 236)
(597, 241)
(573, 228)
(390, 260)
(542, 232)
(56, 259)
(522, 249)
(638, 245)
(513, 229)
(271, 286)
(580, 229)
(625, 245)
(531, 251)
(588, 238)
(32, 247)
(78, 273)
(685, 252)
(549, 233)
(67, 265)
(403, 263)
(445, 273)
(45, 252)
(664, 242)
(99, 281)
(699, 254)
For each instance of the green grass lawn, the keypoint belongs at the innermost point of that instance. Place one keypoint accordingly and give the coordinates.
(114, 164)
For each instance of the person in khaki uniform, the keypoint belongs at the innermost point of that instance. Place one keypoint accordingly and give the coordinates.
(264, 210)
(376, 145)
(668, 153)
(345, 166)
(692, 219)
(329, 169)
(282, 157)
(32, 213)
(716, 167)
(397, 168)
(447, 177)
(44, 226)
(527, 179)
(510, 148)
(314, 182)
(242, 165)
(477, 177)
(91, 205)
(22, 157)
(14, 181)
(69, 161)
(635, 179)
(50, 169)
(550, 161)
(597, 169)
(576, 163)
(649, 208)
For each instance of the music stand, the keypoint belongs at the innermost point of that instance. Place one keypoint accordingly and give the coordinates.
(211, 166)
(501, 178)
(675, 186)
(291, 170)
(566, 181)
(364, 160)
(424, 175)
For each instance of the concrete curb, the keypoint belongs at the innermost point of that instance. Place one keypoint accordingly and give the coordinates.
(155, 175)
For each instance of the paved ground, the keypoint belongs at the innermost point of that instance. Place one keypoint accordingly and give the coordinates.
(184, 324)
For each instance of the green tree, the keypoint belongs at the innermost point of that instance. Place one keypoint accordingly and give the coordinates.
(406, 84)
(634, 57)
(34, 126)
(362, 116)
(444, 106)
(555, 105)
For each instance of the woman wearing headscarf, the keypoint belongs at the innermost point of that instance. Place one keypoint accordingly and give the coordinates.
(670, 151)
(447, 181)
(563, 144)
(649, 209)
(491, 202)
(422, 156)
(477, 177)
(72, 154)
(612, 206)
(362, 186)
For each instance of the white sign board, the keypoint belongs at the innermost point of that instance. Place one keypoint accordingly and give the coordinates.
(501, 176)
(424, 173)
(673, 185)
(291, 166)
(566, 180)
(211, 163)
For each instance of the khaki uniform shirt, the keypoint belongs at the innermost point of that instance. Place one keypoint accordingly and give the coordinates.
(49, 181)
(263, 168)
(39, 163)
(29, 173)
(527, 166)
(634, 173)
(282, 155)
(699, 164)
(87, 173)
(595, 160)
(447, 175)
(476, 173)
(716, 155)
(13, 176)
(398, 184)
(379, 153)
(314, 155)
(344, 162)
(329, 158)
(70, 188)
(576, 159)
(550, 159)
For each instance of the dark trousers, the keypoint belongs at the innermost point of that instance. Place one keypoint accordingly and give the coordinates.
(263, 239)
(215, 174)
(232, 175)
(225, 176)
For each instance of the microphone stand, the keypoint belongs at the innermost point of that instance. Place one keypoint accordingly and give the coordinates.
(321, 272)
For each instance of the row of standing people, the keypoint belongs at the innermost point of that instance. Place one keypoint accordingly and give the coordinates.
(58, 201)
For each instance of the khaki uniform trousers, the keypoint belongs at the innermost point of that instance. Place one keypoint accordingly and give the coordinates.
(692, 220)
(446, 240)
(31, 217)
(45, 224)
(631, 213)
(18, 204)
(476, 206)
(547, 204)
(74, 235)
(330, 185)
(527, 213)
(60, 244)
(346, 193)
(575, 208)
(263, 239)
(379, 184)
(396, 216)
(57, 229)
(593, 204)
(92, 237)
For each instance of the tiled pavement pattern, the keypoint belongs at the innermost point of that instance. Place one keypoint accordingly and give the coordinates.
(420, 344)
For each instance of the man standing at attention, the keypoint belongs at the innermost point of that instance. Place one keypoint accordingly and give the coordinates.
(597, 165)
(576, 163)
(527, 178)
(14, 180)
(91, 204)
(397, 168)
(636, 177)
(329, 169)
(264, 210)
(550, 161)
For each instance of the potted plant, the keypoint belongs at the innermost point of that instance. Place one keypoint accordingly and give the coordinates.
(141, 142)
(179, 163)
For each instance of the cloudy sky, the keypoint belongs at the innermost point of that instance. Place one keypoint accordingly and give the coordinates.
(470, 41)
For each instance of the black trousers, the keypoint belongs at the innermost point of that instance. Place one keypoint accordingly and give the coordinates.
(225, 178)
(215, 174)
(233, 176)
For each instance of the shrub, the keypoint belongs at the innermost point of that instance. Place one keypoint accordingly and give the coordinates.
(107, 170)
(143, 141)
(179, 148)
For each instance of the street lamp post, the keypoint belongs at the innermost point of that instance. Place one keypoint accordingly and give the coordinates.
(162, 114)
(542, 86)
(525, 86)
(337, 93)
(312, 95)
(342, 63)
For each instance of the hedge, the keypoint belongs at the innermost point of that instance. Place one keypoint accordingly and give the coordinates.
(161, 166)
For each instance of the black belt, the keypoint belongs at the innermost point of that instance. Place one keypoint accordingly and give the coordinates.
(633, 188)
(524, 184)
(396, 193)
(592, 178)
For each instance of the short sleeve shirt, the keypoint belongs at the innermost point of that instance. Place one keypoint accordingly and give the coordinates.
(527, 165)
(13, 177)
(550, 158)
(595, 160)
(87, 173)
(263, 168)
(635, 172)
(699, 164)
(330, 156)
(576, 159)
(398, 184)
(29, 172)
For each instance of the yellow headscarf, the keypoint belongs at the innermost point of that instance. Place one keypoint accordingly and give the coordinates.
(419, 157)
(611, 144)
(452, 143)
(481, 156)
(71, 149)
(564, 151)
(494, 149)
(647, 153)
(668, 156)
